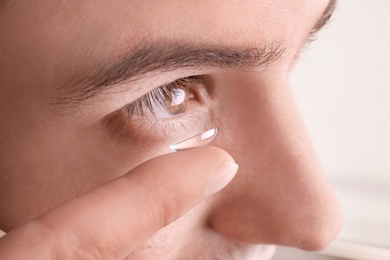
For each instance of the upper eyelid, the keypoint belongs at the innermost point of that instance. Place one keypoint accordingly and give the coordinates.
(194, 79)
(139, 102)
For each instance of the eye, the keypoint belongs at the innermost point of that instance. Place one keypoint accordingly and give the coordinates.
(178, 107)
(169, 100)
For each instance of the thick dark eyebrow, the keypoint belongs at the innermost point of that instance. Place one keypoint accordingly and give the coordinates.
(324, 19)
(164, 57)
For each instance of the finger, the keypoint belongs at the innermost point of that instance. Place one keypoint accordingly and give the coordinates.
(2, 233)
(113, 220)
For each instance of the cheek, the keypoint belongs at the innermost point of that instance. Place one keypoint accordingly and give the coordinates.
(51, 164)
(46, 164)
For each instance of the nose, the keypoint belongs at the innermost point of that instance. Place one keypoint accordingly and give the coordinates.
(280, 195)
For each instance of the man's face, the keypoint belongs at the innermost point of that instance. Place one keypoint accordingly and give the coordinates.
(71, 70)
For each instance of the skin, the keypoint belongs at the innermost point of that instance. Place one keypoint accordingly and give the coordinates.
(53, 153)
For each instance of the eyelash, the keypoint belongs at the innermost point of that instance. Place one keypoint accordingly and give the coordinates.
(159, 96)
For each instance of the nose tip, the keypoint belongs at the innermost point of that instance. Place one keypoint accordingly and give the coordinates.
(322, 233)
(308, 220)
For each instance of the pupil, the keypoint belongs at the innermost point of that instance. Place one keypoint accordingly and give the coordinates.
(178, 97)
(177, 101)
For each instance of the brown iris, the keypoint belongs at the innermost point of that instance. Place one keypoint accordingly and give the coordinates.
(176, 95)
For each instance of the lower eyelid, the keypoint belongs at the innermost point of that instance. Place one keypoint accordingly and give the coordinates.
(182, 123)
(151, 130)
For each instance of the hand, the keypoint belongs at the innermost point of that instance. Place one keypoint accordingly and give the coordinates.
(114, 219)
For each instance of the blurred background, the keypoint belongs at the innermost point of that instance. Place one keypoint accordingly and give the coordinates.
(342, 88)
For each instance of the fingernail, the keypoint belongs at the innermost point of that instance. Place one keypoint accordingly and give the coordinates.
(220, 178)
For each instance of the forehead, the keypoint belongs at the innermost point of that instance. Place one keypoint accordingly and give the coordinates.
(242, 21)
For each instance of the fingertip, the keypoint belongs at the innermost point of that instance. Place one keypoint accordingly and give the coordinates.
(221, 177)
(212, 154)
(215, 164)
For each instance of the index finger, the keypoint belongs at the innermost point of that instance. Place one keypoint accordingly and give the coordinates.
(111, 221)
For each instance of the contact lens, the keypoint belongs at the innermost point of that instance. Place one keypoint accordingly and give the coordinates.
(199, 140)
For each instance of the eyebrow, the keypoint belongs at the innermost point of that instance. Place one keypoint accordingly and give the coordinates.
(324, 19)
(165, 56)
